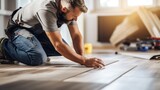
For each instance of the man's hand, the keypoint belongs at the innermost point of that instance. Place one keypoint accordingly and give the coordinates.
(94, 62)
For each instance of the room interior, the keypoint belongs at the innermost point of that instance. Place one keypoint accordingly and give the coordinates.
(105, 28)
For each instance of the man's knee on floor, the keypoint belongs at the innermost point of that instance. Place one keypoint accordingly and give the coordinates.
(36, 63)
(38, 59)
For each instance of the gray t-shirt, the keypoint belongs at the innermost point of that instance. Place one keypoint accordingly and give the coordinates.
(39, 11)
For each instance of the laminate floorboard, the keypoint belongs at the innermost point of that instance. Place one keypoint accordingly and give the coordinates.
(50, 85)
(120, 73)
(106, 75)
(58, 69)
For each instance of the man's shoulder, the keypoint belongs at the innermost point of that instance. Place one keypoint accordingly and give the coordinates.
(48, 5)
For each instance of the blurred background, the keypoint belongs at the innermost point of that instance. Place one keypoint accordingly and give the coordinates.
(96, 26)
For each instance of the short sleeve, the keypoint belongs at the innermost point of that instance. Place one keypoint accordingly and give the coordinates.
(48, 20)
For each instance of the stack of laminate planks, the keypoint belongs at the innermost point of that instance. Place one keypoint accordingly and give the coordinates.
(140, 24)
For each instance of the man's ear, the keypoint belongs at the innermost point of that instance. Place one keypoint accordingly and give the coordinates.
(64, 9)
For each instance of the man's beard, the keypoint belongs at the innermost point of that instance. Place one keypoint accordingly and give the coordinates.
(63, 17)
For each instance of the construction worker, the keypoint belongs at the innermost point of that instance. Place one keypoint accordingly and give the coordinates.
(34, 34)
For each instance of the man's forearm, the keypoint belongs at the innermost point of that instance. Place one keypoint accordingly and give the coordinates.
(63, 49)
(76, 38)
(78, 46)
(67, 52)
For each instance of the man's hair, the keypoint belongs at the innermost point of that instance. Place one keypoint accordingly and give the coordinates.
(80, 4)
(71, 4)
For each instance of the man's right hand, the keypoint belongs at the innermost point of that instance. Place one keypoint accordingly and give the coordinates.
(94, 62)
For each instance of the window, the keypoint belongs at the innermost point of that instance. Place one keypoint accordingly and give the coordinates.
(124, 4)
(109, 3)
(22, 3)
(140, 2)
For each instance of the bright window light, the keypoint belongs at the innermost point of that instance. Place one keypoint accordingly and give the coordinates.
(22, 3)
(140, 2)
(109, 3)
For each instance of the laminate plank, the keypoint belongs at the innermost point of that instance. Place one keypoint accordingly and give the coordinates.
(46, 72)
(50, 85)
(133, 83)
(63, 62)
(61, 74)
(146, 76)
(58, 74)
(107, 75)
(146, 70)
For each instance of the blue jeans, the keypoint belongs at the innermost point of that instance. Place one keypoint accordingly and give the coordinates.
(29, 48)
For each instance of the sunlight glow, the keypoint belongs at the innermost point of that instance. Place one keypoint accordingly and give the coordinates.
(110, 3)
(140, 2)
(22, 3)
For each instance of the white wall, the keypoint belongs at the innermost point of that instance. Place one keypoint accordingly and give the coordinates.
(7, 6)
(91, 28)
(2, 26)
(90, 4)
(158, 2)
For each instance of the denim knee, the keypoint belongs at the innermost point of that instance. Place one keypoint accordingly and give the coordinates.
(37, 59)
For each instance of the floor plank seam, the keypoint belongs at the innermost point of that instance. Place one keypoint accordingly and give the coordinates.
(119, 77)
(88, 71)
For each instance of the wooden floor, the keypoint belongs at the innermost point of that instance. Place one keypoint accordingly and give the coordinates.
(120, 73)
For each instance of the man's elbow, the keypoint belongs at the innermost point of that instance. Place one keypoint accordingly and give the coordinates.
(58, 45)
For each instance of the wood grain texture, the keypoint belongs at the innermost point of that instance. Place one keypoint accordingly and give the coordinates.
(120, 73)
